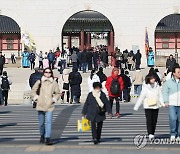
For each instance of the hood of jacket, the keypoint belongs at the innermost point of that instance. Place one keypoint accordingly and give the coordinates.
(112, 73)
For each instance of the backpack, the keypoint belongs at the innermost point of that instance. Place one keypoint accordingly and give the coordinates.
(5, 83)
(115, 87)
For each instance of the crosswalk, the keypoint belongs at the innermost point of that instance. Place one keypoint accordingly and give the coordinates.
(19, 124)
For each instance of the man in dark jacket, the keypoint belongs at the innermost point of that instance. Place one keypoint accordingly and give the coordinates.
(89, 58)
(37, 75)
(170, 63)
(127, 86)
(32, 58)
(75, 80)
(104, 58)
(95, 59)
(137, 59)
(101, 75)
(79, 62)
(51, 58)
(84, 60)
(2, 62)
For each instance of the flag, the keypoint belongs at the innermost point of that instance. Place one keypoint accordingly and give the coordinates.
(146, 43)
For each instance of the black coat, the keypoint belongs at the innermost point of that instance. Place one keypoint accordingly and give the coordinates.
(89, 57)
(76, 88)
(90, 108)
(34, 77)
(170, 64)
(137, 57)
(84, 58)
(127, 81)
(102, 76)
(2, 60)
(104, 57)
(95, 56)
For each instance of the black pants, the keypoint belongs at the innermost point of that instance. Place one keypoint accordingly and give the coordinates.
(67, 94)
(151, 120)
(32, 64)
(1, 69)
(111, 99)
(130, 67)
(5, 96)
(137, 66)
(90, 65)
(40, 64)
(51, 65)
(96, 128)
(118, 64)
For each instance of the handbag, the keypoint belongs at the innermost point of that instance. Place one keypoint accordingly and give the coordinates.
(101, 111)
(38, 93)
(65, 85)
(151, 102)
(83, 125)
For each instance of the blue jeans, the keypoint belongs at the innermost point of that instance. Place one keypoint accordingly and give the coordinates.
(137, 89)
(84, 67)
(45, 130)
(174, 120)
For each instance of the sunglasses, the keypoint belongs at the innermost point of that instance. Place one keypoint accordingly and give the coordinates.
(48, 72)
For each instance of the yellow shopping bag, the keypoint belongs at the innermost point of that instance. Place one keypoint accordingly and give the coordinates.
(83, 125)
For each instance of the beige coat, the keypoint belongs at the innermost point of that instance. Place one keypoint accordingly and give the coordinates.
(138, 78)
(49, 94)
(64, 78)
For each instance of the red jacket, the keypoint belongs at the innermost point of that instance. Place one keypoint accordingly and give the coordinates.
(109, 82)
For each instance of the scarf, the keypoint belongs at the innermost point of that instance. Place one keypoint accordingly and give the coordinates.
(97, 97)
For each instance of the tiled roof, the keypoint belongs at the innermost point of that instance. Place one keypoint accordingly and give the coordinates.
(170, 23)
(8, 25)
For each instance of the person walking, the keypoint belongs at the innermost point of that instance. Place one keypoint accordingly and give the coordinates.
(63, 82)
(94, 110)
(84, 60)
(32, 58)
(137, 79)
(89, 59)
(2, 62)
(95, 59)
(74, 59)
(91, 79)
(119, 58)
(51, 58)
(13, 58)
(101, 75)
(5, 83)
(171, 97)
(170, 63)
(137, 59)
(115, 86)
(127, 86)
(46, 92)
(40, 59)
(37, 75)
(75, 80)
(151, 97)
(150, 59)
(25, 58)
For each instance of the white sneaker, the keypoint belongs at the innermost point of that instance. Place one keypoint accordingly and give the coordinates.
(151, 137)
(173, 138)
(178, 139)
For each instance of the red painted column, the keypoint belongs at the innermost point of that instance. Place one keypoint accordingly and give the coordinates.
(69, 42)
(111, 47)
(88, 44)
(82, 40)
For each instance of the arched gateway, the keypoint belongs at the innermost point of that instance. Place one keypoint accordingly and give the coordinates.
(167, 38)
(83, 26)
(10, 36)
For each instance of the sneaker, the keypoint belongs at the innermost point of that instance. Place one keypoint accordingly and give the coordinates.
(95, 141)
(48, 141)
(117, 115)
(172, 138)
(151, 137)
(178, 139)
(42, 139)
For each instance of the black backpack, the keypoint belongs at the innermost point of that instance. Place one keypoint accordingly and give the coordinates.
(5, 83)
(115, 87)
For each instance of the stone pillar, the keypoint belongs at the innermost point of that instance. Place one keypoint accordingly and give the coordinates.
(69, 42)
(82, 40)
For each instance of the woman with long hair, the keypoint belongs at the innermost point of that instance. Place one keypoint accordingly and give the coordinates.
(45, 92)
